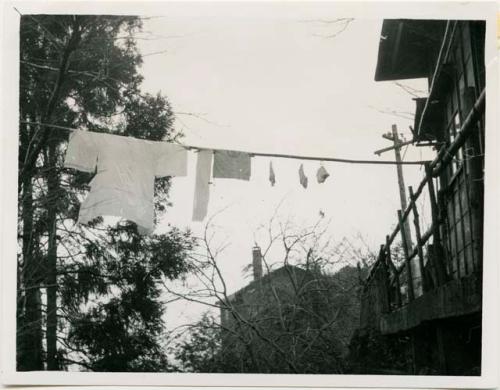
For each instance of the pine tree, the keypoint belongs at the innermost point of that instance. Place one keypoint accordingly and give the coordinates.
(89, 290)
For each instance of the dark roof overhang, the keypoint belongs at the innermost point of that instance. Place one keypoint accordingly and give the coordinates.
(408, 48)
(430, 111)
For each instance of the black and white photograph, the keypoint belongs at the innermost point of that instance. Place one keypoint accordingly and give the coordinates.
(298, 189)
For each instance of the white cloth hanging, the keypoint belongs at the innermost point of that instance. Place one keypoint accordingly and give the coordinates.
(202, 184)
(232, 165)
(125, 171)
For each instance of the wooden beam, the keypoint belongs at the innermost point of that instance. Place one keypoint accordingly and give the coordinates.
(438, 265)
(411, 293)
(419, 239)
(394, 270)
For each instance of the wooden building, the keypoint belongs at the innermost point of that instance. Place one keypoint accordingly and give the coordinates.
(427, 302)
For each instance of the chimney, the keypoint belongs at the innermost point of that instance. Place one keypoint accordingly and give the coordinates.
(256, 262)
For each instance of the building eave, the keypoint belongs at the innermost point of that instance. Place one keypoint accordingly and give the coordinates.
(407, 47)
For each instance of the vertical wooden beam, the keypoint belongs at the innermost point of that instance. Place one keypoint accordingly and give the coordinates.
(470, 218)
(401, 181)
(453, 227)
(411, 293)
(386, 304)
(387, 276)
(391, 266)
(419, 238)
(438, 260)
(462, 186)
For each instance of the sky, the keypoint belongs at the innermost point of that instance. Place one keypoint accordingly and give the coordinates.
(280, 84)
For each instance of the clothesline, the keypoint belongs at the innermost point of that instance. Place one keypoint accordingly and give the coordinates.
(262, 154)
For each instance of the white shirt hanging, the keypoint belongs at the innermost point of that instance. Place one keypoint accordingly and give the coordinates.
(125, 171)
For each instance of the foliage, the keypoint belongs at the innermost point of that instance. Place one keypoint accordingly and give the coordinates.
(297, 318)
(309, 326)
(103, 284)
(124, 331)
(201, 350)
(371, 352)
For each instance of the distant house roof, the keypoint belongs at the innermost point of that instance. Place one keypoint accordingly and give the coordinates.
(274, 273)
(408, 48)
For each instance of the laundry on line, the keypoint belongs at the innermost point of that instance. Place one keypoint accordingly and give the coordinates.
(263, 154)
(125, 171)
(322, 174)
(229, 164)
(272, 176)
(202, 185)
(126, 168)
(302, 176)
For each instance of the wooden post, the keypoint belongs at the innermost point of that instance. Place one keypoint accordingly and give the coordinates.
(401, 180)
(419, 239)
(391, 266)
(386, 304)
(411, 294)
(438, 264)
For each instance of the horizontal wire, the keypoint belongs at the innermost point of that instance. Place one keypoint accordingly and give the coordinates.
(261, 154)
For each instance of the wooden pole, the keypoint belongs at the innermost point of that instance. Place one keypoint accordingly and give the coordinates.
(386, 304)
(419, 239)
(393, 269)
(438, 256)
(411, 294)
(401, 182)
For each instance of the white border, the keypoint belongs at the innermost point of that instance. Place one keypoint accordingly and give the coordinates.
(8, 185)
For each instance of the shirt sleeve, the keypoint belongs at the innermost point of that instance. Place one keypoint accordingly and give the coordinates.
(171, 160)
(81, 153)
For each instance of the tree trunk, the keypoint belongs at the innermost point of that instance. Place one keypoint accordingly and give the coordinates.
(51, 277)
(55, 97)
(29, 325)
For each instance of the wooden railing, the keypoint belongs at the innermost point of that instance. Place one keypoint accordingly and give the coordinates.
(400, 278)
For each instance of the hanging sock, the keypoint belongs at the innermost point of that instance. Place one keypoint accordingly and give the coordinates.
(229, 164)
(202, 185)
(272, 177)
(302, 177)
(322, 174)
(125, 167)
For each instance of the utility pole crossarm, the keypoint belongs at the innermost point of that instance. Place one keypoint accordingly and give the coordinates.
(399, 144)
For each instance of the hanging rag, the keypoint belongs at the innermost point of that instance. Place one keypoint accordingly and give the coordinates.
(322, 174)
(229, 164)
(272, 177)
(125, 171)
(302, 177)
(202, 185)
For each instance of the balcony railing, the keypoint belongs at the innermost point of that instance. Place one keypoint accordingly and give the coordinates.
(424, 265)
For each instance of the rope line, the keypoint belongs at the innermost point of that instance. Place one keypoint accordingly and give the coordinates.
(261, 154)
